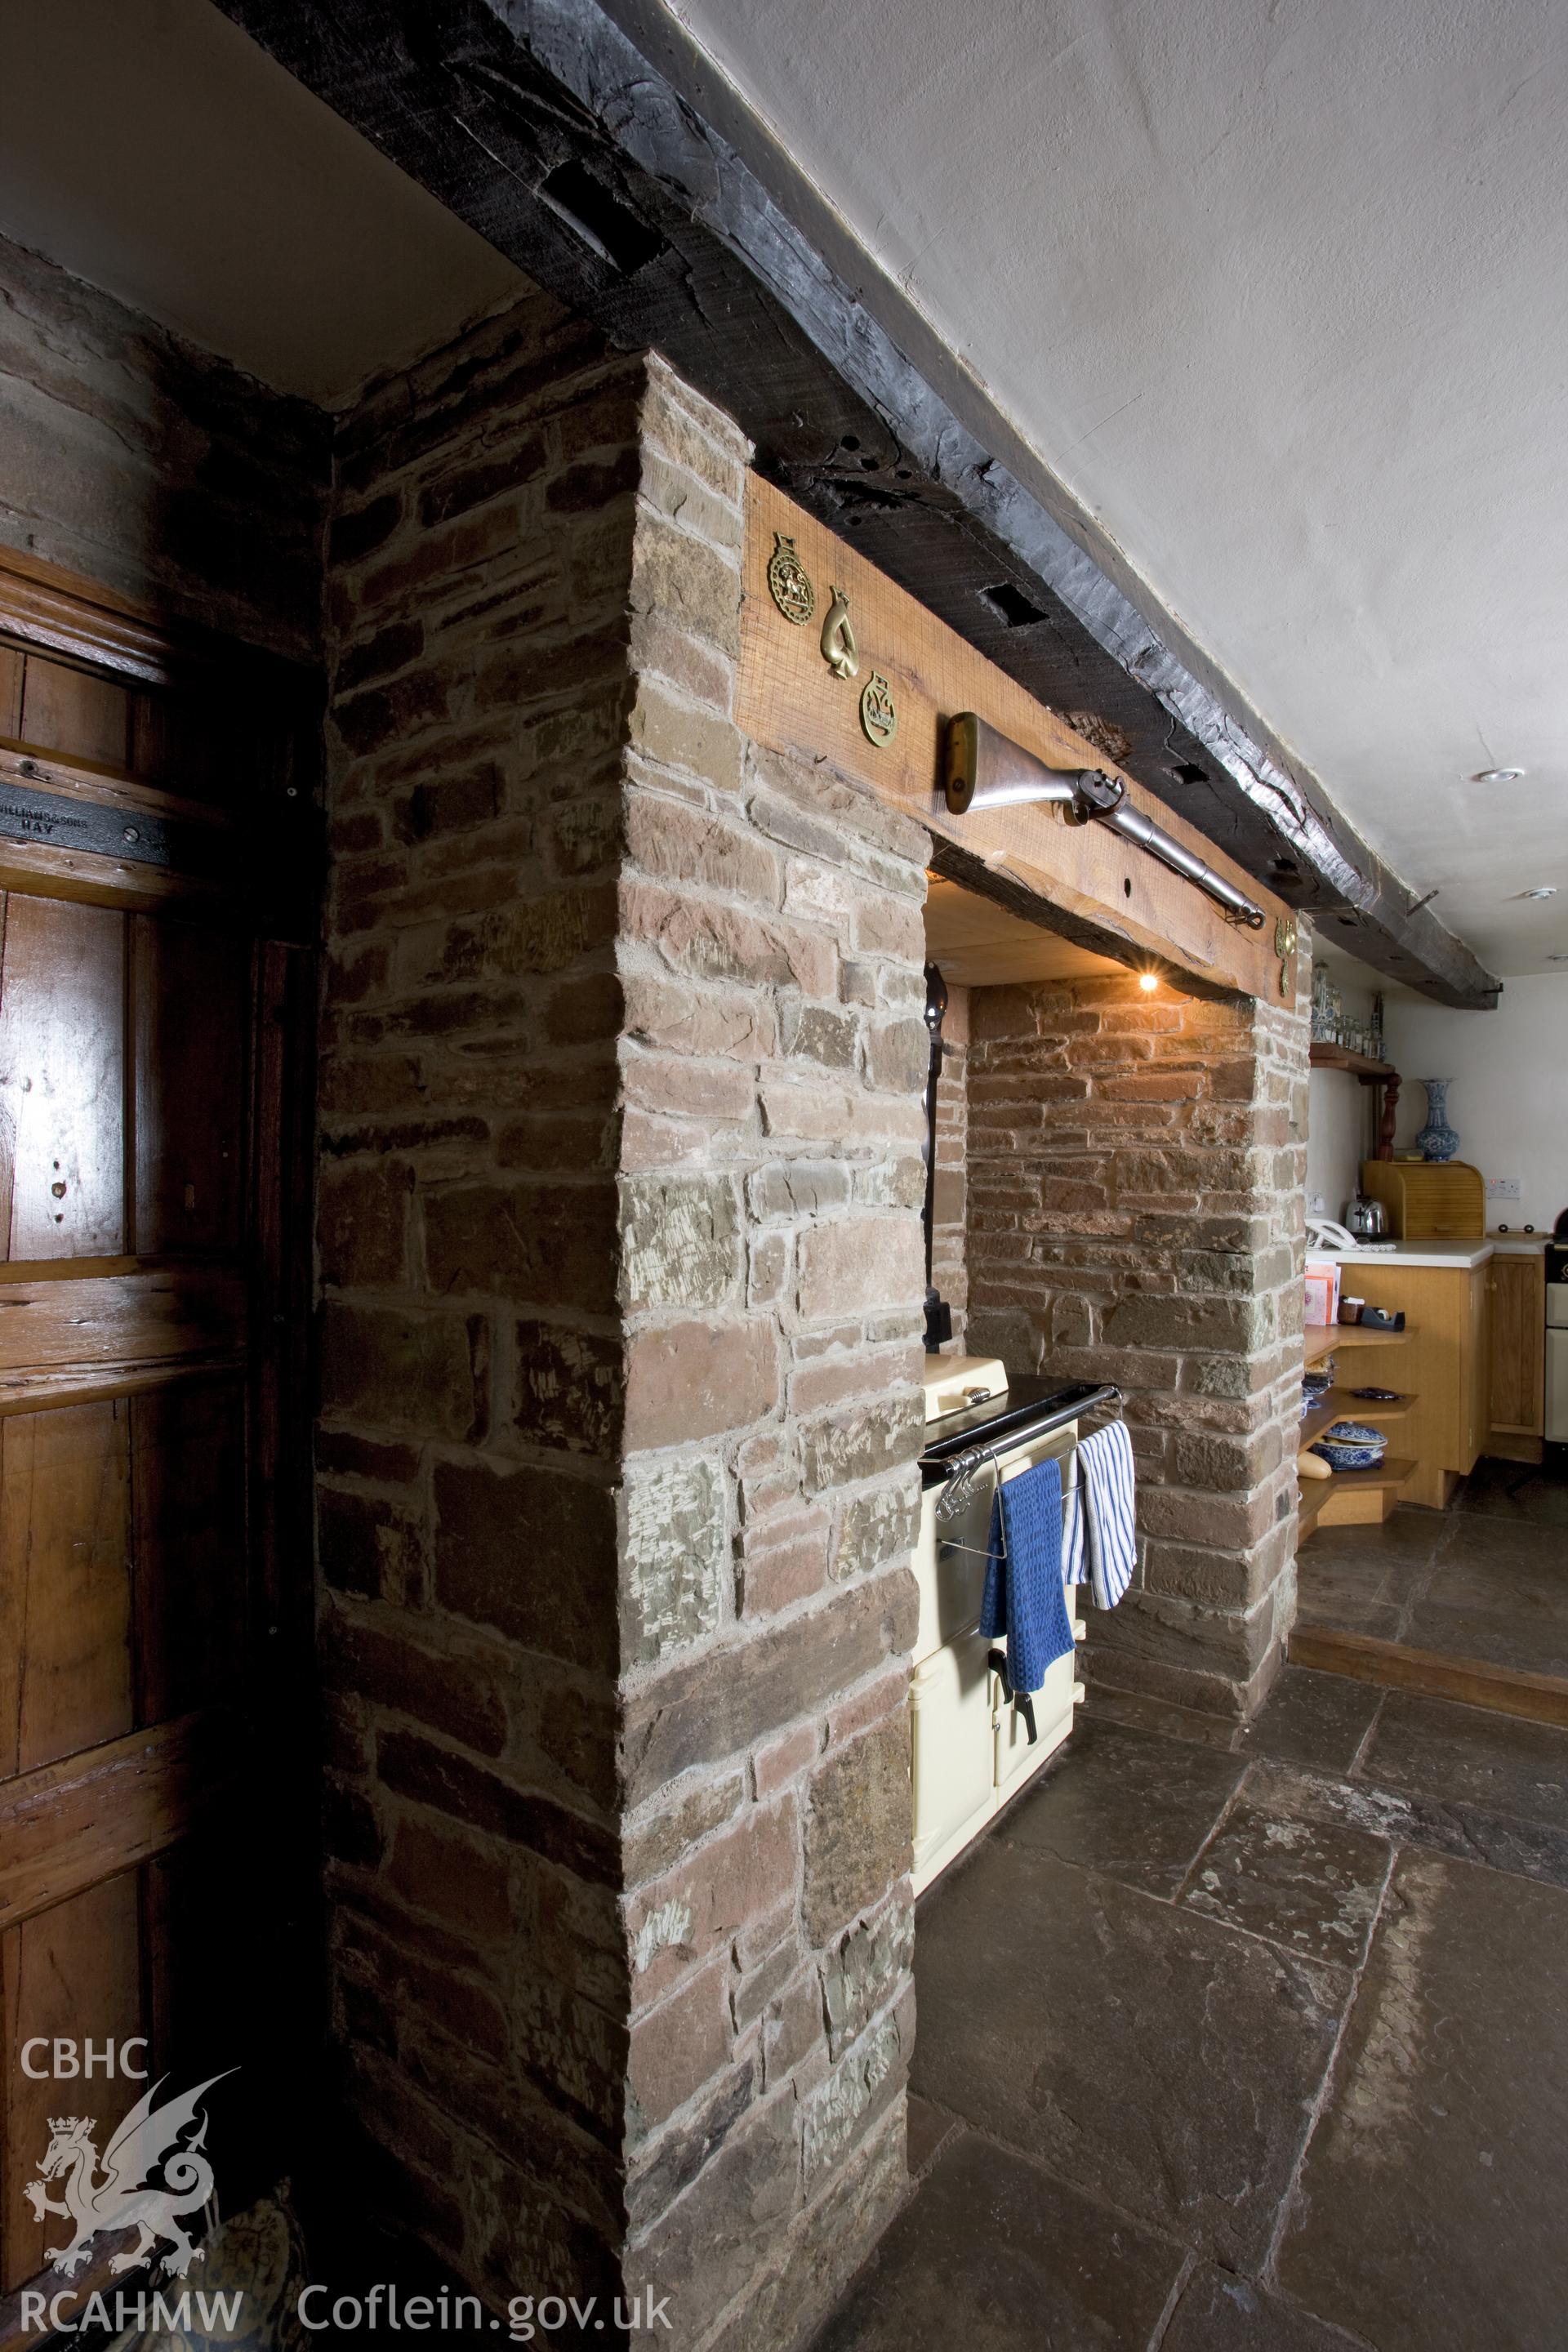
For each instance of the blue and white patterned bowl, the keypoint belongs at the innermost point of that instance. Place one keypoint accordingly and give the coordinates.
(1351, 1445)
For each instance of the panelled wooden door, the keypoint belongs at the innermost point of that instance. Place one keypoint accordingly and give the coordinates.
(155, 1009)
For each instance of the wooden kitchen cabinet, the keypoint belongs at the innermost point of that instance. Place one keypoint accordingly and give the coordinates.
(1445, 1364)
(1516, 1364)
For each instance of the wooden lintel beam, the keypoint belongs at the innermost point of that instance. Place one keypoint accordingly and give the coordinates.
(542, 124)
(1084, 881)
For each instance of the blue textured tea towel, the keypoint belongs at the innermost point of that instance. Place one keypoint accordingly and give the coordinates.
(1024, 1596)
(1099, 1537)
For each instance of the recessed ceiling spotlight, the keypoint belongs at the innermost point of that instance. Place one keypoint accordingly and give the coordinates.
(1539, 891)
(1557, 959)
(1497, 775)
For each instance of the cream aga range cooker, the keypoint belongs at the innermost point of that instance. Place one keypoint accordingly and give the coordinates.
(970, 1750)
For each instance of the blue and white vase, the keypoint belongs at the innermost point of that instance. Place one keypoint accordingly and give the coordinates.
(1438, 1139)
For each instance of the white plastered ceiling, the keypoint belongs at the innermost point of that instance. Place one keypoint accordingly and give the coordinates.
(1279, 288)
(151, 147)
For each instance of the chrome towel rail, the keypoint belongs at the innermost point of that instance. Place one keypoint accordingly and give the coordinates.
(965, 1467)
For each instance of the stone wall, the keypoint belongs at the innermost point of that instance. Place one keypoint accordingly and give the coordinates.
(152, 468)
(1136, 1179)
(621, 1259)
(950, 1255)
(480, 565)
(775, 1054)
(621, 1273)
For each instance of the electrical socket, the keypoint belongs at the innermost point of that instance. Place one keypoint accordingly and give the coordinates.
(1502, 1188)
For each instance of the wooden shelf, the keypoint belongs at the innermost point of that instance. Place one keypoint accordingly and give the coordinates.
(1340, 1405)
(1386, 1480)
(1359, 1066)
(1313, 1495)
(1321, 1339)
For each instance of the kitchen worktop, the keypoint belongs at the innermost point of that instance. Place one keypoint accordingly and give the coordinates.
(1460, 1256)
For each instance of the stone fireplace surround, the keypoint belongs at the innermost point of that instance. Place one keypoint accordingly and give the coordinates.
(622, 1272)
(619, 1251)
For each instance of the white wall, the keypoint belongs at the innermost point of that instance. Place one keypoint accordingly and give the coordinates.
(1510, 1095)
(1339, 1138)
(1340, 1123)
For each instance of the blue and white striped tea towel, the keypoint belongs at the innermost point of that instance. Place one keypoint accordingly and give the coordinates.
(1099, 1537)
(1024, 1596)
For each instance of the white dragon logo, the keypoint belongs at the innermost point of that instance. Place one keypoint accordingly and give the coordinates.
(122, 2199)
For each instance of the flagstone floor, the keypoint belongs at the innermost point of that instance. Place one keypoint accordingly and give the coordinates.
(1261, 2047)
(1486, 1579)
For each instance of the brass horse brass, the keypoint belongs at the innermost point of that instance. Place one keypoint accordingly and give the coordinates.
(878, 713)
(839, 650)
(789, 583)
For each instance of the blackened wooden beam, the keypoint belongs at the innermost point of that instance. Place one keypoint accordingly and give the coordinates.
(542, 125)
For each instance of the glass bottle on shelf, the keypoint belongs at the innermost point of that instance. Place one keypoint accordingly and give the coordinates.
(1322, 1010)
